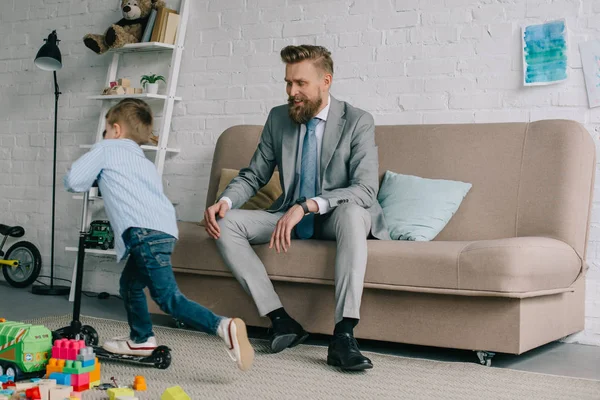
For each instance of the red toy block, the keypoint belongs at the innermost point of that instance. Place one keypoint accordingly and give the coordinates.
(33, 393)
(81, 388)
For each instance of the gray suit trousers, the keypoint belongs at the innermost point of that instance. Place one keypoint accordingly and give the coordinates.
(348, 224)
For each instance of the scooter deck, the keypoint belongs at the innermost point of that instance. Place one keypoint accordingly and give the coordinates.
(160, 357)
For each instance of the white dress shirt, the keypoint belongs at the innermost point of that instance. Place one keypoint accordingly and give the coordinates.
(319, 131)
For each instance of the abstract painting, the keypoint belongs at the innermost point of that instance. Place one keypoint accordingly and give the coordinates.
(545, 53)
(590, 59)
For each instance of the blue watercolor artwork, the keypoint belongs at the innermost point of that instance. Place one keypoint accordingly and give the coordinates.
(590, 60)
(545, 53)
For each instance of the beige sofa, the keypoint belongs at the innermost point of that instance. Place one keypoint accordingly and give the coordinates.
(507, 274)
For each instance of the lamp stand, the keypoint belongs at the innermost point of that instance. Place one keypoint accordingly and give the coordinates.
(52, 289)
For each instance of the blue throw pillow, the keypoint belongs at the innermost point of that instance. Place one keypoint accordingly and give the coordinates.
(419, 208)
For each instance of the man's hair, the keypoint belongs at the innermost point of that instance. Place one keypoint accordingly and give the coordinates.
(136, 116)
(320, 56)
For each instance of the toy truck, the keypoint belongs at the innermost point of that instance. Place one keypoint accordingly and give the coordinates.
(100, 235)
(24, 349)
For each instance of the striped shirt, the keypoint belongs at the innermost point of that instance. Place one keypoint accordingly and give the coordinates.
(130, 185)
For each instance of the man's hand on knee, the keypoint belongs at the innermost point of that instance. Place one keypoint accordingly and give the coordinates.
(282, 235)
(210, 216)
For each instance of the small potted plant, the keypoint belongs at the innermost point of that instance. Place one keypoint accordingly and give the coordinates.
(150, 82)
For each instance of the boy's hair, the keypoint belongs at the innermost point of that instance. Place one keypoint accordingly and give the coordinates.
(136, 116)
(320, 56)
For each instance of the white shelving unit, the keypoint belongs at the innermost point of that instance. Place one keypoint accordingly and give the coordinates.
(158, 152)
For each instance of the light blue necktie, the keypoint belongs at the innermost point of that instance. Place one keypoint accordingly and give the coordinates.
(308, 177)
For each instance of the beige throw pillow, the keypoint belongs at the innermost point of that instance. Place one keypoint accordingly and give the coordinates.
(262, 200)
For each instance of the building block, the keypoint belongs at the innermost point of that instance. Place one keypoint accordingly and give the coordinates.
(22, 386)
(7, 392)
(73, 349)
(175, 393)
(139, 383)
(54, 365)
(60, 392)
(80, 379)
(33, 393)
(114, 392)
(88, 363)
(4, 378)
(35, 380)
(61, 378)
(124, 82)
(81, 388)
(95, 374)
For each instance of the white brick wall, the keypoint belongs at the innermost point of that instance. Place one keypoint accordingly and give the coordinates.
(406, 61)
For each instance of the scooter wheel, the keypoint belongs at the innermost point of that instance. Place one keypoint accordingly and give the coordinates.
(90, 335)
(162, 357)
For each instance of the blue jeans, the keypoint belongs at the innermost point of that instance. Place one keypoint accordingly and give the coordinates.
(149, 265)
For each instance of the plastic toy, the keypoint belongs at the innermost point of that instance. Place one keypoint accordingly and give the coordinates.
(139, 383)
(119, 392)
(100, 235)
(24, 349)
(74, 364)
(22, 262)
(175, 393)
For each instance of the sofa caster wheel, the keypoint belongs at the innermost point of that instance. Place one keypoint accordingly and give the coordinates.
(485, 357)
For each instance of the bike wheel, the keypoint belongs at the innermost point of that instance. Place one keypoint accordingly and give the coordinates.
(30, 264)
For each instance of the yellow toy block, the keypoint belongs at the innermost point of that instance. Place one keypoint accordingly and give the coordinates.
(60, 392)
(175, 393)
(94, 384)
(115, 392)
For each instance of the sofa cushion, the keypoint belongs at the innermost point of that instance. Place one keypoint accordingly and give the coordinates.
(262, 200)
(418, 208)
(526, 264)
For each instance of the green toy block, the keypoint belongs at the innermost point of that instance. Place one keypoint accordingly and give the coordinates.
(175, 393)
(75, 367)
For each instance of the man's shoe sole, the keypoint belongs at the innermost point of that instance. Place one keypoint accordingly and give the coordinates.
(300, 339)
(334, 362)
(282, 342)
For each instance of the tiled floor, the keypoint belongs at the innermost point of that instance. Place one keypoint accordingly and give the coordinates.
(555, 358)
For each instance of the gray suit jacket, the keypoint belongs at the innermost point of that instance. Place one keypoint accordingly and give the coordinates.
(349, 162)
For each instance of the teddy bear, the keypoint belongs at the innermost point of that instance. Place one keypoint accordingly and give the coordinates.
(128, 30)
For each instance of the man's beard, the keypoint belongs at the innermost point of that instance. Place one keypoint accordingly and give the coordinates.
(301, 114)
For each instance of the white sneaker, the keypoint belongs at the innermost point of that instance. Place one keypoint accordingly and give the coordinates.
(124, 345)
(233, 332)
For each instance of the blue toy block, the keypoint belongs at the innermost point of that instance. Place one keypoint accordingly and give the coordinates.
(4, 378)
(89, 363)
(61, 379)
(34, 380)
(7, 392)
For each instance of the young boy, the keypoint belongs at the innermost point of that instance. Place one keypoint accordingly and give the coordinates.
(143, 220)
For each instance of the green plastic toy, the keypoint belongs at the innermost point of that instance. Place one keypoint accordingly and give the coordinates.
(24, 348)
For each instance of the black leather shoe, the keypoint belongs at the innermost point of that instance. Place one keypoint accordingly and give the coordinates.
(343, 352)
(286, 333)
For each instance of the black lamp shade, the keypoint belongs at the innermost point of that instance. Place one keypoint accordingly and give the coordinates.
(48, 57)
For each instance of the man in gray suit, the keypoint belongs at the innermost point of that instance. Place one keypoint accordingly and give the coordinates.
(325, 152)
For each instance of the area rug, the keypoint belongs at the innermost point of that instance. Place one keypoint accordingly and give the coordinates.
(204, 370)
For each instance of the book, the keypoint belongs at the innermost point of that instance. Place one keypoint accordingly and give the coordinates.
(159, 24)
(149, 26)
(171, 28)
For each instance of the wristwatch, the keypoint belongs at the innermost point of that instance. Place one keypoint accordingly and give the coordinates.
(302, 202)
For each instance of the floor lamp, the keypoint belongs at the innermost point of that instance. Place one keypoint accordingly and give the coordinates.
(49, 58)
